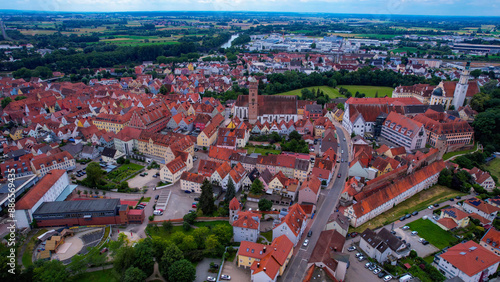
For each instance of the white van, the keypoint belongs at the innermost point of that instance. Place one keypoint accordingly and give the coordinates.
(342, 151)
(158, 212)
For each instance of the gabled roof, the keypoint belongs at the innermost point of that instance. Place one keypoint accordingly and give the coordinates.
(312, 183)
(481, 205)
(38, 191)
(470, 257)
(329, 241)
(294, 219)
(248, 220)
(176, 165)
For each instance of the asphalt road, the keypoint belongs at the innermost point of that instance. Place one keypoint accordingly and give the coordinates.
(296, 269)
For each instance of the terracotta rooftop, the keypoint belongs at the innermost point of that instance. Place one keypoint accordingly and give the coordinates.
(470, 257)
(38, 191)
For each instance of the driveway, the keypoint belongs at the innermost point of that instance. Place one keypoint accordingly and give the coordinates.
(203, 267)
(201, 156)
(239, 274)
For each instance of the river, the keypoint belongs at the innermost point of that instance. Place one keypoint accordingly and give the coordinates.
(228, 44)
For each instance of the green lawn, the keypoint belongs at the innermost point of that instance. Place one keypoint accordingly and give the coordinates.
(405, 49)
(452, 154)
(123, 172)
(494, 167)
(330, 91)
(262, 151)
(369, 91)
(432, 233)
(178, 228)
(268, 235)
(420, 201)
(107, 275)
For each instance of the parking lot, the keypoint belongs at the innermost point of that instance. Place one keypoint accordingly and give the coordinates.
(357, 271)
(236, 273)
(202, 269)
(148, 180)
(179, 203)
(422, 250)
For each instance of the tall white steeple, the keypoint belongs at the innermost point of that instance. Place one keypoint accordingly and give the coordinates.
(461, 89)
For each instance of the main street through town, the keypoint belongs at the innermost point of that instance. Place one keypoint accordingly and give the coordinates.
(297, 267)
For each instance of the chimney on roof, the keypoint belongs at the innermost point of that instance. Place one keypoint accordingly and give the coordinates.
(264, 269)
(264, 250)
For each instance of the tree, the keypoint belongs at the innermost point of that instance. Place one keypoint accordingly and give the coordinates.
(134, 274)
(206, 203)
(340, 106)
(257, 187)
(224, 233)
(313, 46)
(265, 204)
(189, 217)
(124, 259)
(94, 174)
(188, 243)
(171, 254)
(476, 73)
(94, 257)
(294, 135)
(78, 264)
(231, 191)
(163, 90)
(167, 226)
(114, 246)
(212, 244)
(182, 271)
(5, 102)
(49, 271)
(200, 235)
(143, 258)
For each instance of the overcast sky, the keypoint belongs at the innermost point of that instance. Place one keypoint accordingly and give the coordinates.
(405, 7)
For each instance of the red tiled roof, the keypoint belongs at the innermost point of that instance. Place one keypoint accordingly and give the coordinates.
(492, 236)
(481, 205)
(192, 177)
(135, 212)
(294, 219)
(48, 160)
(373, 201)
(470, 257)
(247, 220)
(176, 165)
(448, 222)
(36, 193)
(312, 183)
(234, 204)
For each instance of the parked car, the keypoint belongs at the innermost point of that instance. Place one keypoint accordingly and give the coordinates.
(377, 271)
(155, 176)
(413, 233)
(358, 255)
(388, 278)
(458, 197)
(187, 191)
(368, 264)
(225, 277)
(211, 279)
(339, 175)
(351, 248)
(408, 215)
(414, 213)
(196, 199)
(157, 196)
(393, 232)
(421, 240)
(193, 206)
(430, 207)
(406, 227)
(310, 233)
(361, 258)
(354, 234)
(306, 242)
(425, 242)
(190, 211)
(372, 267)
(104, 250)
(402, 218)
(436, 205)
(215, 266)
(452, 199)
(436, 217)
(381, 274)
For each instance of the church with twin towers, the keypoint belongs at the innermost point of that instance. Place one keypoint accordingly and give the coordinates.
(265, 108)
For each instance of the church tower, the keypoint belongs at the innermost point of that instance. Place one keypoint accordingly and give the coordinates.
(253, 100)
(461, 88)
